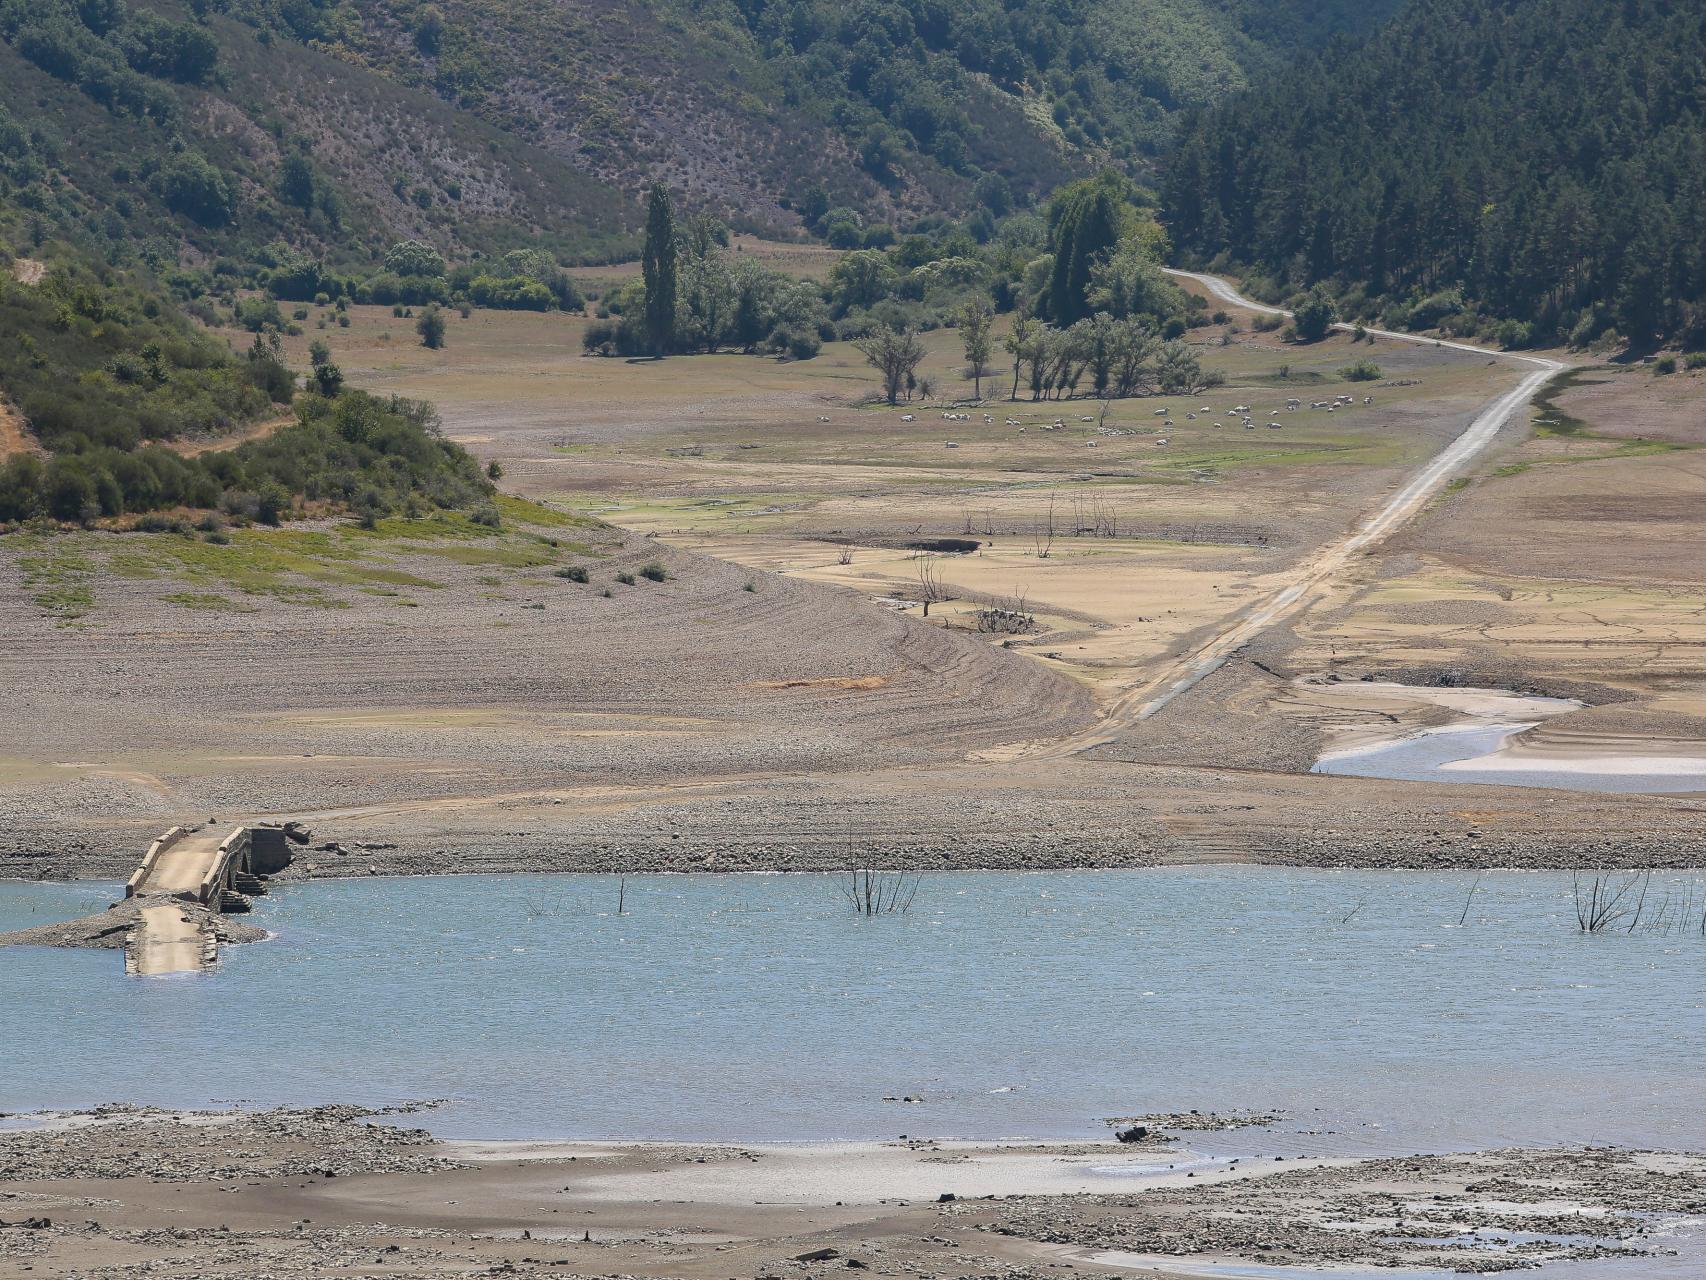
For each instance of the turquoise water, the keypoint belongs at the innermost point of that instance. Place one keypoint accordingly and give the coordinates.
(761, 1008)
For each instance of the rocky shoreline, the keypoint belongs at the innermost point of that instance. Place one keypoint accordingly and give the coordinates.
(1675, 841)
(290, 1193)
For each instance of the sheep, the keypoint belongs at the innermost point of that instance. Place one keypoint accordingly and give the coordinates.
(1160, 413)
(906, 417)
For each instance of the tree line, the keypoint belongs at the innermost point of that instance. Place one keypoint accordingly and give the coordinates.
(1091, 306)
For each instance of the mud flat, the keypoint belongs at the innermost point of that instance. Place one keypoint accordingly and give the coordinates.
(334, 1191)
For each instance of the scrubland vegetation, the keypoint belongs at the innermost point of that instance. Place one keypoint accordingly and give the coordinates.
(107, 375)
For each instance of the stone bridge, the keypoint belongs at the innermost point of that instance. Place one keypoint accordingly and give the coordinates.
(188, 875)
(220, 872)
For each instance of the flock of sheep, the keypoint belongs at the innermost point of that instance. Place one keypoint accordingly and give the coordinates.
(1241, 411)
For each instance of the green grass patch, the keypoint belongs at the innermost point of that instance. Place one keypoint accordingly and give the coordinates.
(211, 601)
(522, 511)
(510, 556)
(60, 581)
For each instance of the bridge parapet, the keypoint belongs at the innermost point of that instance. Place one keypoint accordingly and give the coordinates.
(199, 866)
(165, 842)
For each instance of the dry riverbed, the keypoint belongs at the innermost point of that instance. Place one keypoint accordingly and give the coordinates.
(334, 1191)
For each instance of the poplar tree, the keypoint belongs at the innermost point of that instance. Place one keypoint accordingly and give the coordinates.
(657, 264)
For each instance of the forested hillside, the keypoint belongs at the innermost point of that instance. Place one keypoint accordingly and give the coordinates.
(1527, 169)
(240, 129)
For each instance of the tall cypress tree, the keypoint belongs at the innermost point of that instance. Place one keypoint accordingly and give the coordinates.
(657, 264)
(1084, 224)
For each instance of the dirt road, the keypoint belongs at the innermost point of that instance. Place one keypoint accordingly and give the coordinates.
(216, 444)
(15, 437)
(1144, 700)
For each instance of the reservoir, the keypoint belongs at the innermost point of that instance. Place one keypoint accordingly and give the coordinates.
(1379, 1011)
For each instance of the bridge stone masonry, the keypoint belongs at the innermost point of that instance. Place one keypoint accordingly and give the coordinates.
(187, 879)
(221, 873)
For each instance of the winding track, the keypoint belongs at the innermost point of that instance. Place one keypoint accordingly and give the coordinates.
(1142, 701)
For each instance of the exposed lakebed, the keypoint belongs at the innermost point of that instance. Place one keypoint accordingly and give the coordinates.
(759, 1007)
(1424, 733)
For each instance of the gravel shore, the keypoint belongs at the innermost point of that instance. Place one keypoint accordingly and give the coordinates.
(337, 1191)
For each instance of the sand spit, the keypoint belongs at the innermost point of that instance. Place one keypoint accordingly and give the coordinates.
(112, 927)
(328, 1191)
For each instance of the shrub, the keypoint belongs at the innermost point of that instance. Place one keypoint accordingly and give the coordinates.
(191, 186)
(1435, 308)
(653, 572)
(626, 579)
(801, 344)
(412, 258)
(1513, 333)
(511, 293)
(272, 502)
(1362, 371)
(1314, 314)
(431, 328)
(574, 573)
(1695, 360)
(487, 516)
(1664, 364)
(155, 523)
(255, 314)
